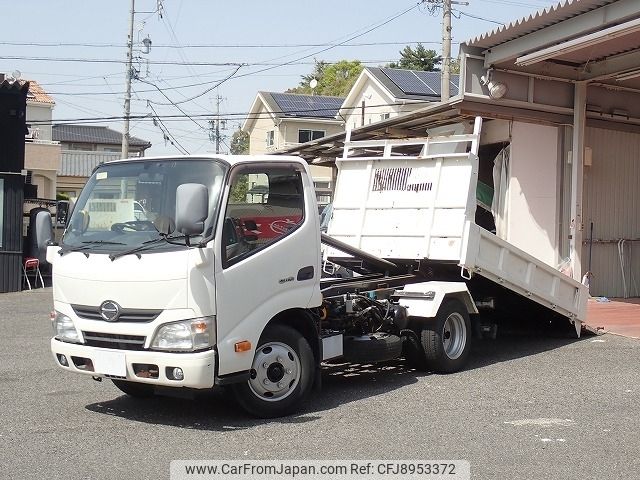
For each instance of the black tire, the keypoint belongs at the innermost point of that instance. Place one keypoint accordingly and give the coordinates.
(133, 389)
(372, 348)
(290, 362)
(413, 352)
(447, 344)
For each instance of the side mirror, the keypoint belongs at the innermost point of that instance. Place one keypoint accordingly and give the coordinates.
(192, 208)
(43, 234)
(80, 221)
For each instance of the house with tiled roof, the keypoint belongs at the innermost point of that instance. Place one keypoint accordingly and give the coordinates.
(280, 120)
(42, 153)
(86, 146)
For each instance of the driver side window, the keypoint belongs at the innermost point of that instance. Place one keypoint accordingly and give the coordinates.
(265, 204)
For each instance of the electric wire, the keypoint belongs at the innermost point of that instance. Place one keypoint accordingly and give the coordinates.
(166, 132)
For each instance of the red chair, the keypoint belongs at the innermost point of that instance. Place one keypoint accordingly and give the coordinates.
(32, 265)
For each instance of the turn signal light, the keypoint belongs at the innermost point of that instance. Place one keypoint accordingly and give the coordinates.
(243, 346)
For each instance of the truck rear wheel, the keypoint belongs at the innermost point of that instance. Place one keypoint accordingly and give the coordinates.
(282, 374)
(445, 340)
(133, 389)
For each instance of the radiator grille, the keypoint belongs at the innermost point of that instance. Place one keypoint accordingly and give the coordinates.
(131, 315)
(108, 340)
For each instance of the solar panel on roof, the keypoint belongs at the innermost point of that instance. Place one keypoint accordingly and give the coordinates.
(307, 105)
(408, 82)
(413, 82)
(432, 79)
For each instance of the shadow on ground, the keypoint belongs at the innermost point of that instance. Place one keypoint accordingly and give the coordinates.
(341, 384)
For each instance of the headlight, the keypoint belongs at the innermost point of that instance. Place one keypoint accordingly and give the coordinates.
(64, 329)
(186, 335)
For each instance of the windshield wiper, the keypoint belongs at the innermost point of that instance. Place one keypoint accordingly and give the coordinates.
(149, 244)
(87, 245)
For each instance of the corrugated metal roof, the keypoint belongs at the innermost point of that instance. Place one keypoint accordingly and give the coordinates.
(81, 164)
(536, 21)
(94, 135)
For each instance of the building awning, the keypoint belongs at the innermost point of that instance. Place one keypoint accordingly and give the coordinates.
(325, 150)
(578, 40)
(411, 125)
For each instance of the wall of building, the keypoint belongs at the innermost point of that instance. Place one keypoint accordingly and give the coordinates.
(42, 113)
(289, 129)
(43, 160)
(533, 191)
(258, 134)
(377, 103)
(611, 200)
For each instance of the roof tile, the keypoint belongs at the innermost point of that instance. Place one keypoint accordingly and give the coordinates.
(93, 134)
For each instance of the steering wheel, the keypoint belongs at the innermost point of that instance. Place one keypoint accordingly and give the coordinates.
(134, 225)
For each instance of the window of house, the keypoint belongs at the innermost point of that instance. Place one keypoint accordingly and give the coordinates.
(271, 135)
(265, 205)
(321, 184)
(385, 116)
(306, 135)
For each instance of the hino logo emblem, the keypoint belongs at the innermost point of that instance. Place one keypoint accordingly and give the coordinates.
(110, 311)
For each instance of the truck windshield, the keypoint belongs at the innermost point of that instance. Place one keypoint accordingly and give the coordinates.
(127, 204)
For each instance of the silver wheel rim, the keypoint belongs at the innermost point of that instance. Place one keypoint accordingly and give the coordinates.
(275, 372)
(454, 335)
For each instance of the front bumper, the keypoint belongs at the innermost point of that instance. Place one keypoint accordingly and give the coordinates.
(141, 366)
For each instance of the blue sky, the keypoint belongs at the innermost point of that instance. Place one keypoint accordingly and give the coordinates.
(80, 47)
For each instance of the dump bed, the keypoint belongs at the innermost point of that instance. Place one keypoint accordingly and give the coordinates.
(416, 199)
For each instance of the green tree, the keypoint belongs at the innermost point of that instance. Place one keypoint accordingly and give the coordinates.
(239, 142)
(240, 188)
(418, 58)
(455, 65)
(334, 79)
(239, 145)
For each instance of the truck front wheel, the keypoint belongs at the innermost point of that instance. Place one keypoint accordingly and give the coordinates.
(446, 339)
(282, 374)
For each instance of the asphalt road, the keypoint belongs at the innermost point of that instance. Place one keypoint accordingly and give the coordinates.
(527, 407)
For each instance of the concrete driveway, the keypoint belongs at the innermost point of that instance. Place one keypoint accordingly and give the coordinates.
(527, 407)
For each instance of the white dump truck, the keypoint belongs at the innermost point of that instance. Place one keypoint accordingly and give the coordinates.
(222, 283)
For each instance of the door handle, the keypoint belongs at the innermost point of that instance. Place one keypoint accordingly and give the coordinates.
(305, 273)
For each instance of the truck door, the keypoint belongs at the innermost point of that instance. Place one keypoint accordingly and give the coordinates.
(268, 256)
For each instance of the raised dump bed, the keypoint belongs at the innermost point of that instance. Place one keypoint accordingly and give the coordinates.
(415, 200)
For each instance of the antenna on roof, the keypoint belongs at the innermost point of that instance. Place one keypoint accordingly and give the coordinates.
(14, 76)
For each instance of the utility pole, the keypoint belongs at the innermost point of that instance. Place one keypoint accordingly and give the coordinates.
(446, 50)
(215, 135)
(127, 95)
(446, 42)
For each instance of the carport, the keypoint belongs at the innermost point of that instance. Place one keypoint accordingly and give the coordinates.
(563, 88)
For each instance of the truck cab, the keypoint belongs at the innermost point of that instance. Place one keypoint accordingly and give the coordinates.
(182, 297)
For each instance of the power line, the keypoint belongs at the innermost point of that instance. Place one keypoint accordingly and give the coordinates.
(228, 116)
(215, 45)
(182, 64)
(200, 94)
(167, 133)
(113, 60)
(171, 102)
(465, 14)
